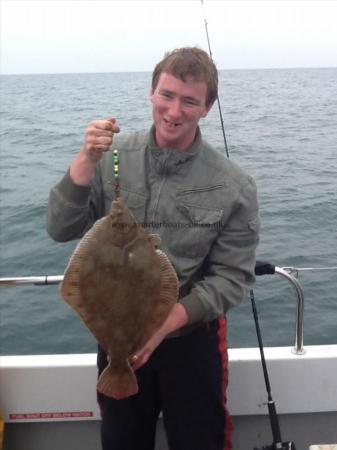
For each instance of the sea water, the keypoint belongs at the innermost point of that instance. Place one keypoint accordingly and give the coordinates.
(281, 127)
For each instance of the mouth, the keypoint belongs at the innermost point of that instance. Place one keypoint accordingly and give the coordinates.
(171, 124)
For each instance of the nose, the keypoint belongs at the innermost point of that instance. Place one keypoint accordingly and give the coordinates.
(175, 109)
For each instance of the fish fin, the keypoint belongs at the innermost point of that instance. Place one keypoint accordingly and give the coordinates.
(169, 280)
(168, 296)
(70, 286)
(117, 384)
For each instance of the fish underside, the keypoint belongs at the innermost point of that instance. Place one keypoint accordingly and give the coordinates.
(123, 289)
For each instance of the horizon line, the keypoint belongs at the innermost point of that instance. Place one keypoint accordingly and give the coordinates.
(150, 71)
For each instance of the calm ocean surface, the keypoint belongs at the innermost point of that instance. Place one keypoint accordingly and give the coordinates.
(281, 126)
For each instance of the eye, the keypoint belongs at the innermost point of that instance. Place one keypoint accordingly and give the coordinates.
(167, 95)
(190, 101)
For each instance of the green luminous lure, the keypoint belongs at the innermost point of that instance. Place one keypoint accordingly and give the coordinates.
(115, 158)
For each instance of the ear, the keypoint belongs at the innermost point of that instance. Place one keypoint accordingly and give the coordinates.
(207, 110)
(151, 94)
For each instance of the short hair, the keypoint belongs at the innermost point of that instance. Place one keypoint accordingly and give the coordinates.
(189, 62)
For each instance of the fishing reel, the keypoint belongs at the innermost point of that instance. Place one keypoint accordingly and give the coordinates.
(284, 446)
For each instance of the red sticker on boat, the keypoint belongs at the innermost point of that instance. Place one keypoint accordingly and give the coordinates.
(50, 415)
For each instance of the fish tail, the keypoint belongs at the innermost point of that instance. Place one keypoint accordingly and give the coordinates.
(117, 384)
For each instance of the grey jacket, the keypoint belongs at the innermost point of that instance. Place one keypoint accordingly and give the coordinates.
(203, 206)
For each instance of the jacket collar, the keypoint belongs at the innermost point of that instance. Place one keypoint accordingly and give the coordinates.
(171, 160)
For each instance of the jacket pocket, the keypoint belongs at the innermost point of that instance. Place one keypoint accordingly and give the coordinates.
(196, 231)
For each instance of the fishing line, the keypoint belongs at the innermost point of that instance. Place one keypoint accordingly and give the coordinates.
(217, 97)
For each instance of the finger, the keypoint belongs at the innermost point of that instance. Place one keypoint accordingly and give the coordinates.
(102, 140)
(94, 145)
(137, 361)
(92, 141)
(133, 360)
(106, 125)
(99, 132)
(112, 125)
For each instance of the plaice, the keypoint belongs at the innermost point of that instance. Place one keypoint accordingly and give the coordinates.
(123, 289)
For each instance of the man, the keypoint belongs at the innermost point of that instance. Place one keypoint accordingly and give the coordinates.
(205, 209)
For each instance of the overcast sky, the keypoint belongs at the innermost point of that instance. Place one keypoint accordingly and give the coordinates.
(52, 36)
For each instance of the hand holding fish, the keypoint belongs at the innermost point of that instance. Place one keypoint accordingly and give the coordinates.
(176, 319)
(97, 140)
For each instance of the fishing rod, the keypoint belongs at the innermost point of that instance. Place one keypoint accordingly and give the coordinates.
(265, 268)
(277, 444)
(260, 269)
(217, 97)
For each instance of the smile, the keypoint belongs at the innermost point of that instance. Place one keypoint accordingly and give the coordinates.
(171, 124)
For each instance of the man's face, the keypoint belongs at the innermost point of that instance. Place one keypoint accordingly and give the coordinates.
(177, 107)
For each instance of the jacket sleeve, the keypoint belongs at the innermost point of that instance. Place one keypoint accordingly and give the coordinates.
(73, 209)
(229, 267)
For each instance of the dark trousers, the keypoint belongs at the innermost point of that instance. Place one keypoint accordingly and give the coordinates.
(185, 378)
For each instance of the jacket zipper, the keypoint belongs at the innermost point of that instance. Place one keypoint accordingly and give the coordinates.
(156, 202)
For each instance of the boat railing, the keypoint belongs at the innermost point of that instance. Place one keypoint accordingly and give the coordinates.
(44, 280)
(261, 268)
(298, 347)
(265, 268)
